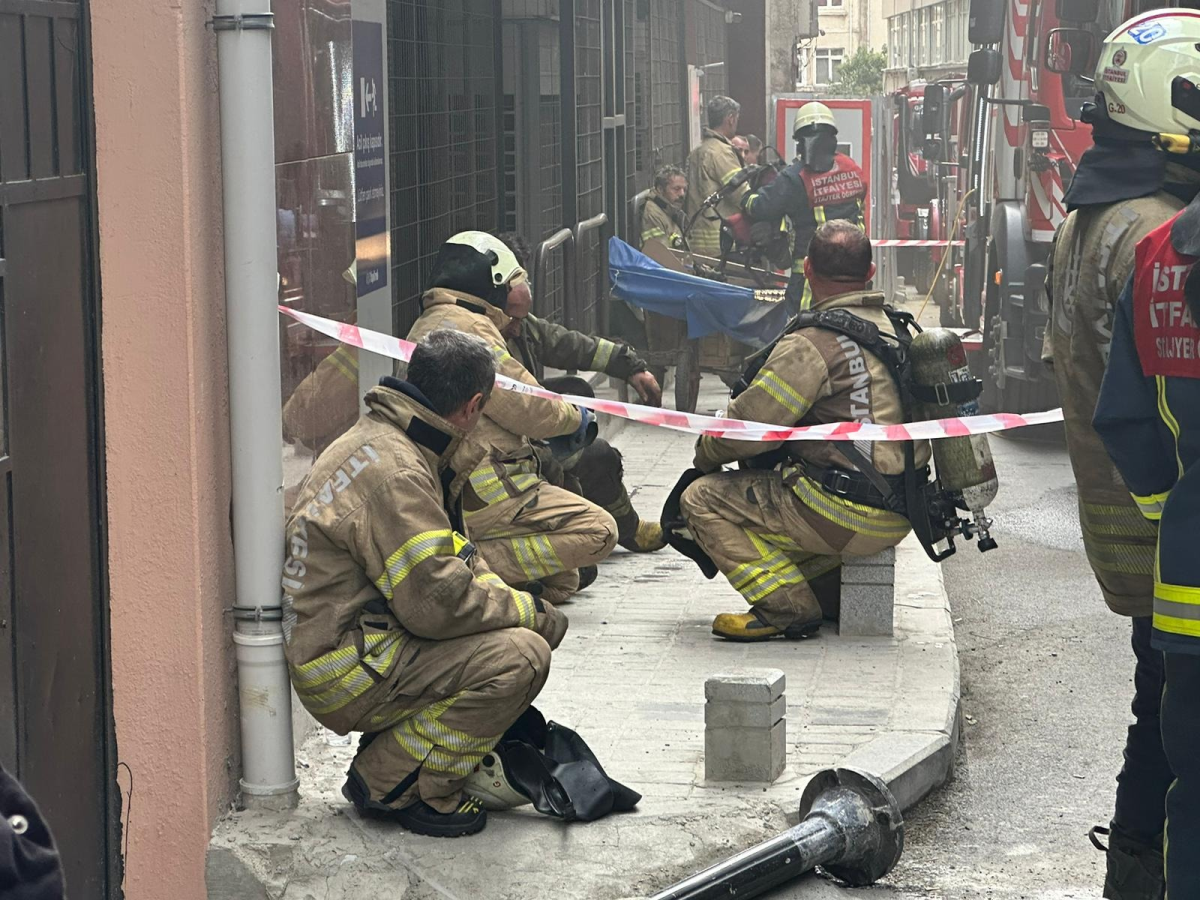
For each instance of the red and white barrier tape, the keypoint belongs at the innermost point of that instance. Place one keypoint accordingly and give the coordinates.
(907, 243)
(694, 423)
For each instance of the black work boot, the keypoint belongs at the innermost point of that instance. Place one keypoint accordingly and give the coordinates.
(587, 576)
(1134, 868)
(420, 818)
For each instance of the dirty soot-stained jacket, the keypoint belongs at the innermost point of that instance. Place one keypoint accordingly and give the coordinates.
(377, 552)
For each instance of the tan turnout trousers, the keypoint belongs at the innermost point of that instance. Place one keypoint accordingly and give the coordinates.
(770, 544)
(451, 704)
(543, 535)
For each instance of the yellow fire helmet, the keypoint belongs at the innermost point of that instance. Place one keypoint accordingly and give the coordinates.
(1149, 70)
(812, 113)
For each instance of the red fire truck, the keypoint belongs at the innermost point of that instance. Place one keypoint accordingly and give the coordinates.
(1021, 140)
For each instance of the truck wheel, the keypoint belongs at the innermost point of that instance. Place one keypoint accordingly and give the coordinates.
(923, 271)
(1004, 393)
(950, 315)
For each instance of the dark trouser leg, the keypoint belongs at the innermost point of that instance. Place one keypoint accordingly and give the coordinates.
(1181, 738)
(601, 480)
(1143, 781)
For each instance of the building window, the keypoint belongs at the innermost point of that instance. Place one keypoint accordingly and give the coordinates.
(803, 57)
(937, 37)
(829, 64)
(895, 60)
(905, 44)
(829, 4)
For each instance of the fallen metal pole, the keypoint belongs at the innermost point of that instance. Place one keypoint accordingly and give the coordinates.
(849, 823)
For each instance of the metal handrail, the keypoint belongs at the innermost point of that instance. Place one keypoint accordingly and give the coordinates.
(574, 310)
(540, 255)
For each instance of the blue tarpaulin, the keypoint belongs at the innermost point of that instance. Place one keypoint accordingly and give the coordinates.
(708, 306)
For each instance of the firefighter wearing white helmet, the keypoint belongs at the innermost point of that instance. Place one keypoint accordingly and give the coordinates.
(533, 535)
(820, 185)
(1124, 187)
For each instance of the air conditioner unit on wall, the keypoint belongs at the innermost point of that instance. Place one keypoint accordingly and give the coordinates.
(806, 19)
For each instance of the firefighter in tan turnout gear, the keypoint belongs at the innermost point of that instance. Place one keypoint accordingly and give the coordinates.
(596, 471)
(534, 535)
(771, 532)
(1123, 188)
(713, 168)
(393, 624)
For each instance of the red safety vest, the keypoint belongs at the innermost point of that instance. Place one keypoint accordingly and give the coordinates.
(1166, 334)
(843, 184)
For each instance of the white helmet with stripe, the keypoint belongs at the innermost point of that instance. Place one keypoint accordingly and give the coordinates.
(1149, 72)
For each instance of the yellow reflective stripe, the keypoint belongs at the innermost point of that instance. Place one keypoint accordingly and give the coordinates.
(651, 233)
(604, 352)
(501, 354)
(487, 486)
(851, 516)
(345, 362)
(525, 482)
(819, 214)
(782, 393)
(526, 610)
(728, 176)
(461, 765)
(328, 666)
(536, 555)
(1124, 559)
(1174, 625)
(1165, 411)
(1151, 506)
(807, 299)
(1177, 593)
(342, 692)
(417, 549)
(414, 745)
(384, 721)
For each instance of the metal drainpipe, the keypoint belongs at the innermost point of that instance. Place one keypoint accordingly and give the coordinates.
(243, 30)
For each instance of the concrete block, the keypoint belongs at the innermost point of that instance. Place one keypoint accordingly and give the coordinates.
(867, 610)
(868, 575)
(745, 754)
(884, 558)
(726, 714)
(749, 686)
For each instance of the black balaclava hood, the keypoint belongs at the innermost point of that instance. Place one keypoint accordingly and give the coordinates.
(459, 267)
(1122, 164)
(816, 145)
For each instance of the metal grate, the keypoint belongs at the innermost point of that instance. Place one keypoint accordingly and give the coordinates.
(631, 103)
(442, 90)
(666, 133)
(589, 108)
(710, 48)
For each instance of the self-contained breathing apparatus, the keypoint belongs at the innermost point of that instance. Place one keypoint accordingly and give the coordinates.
(756, 244)
(933, 380)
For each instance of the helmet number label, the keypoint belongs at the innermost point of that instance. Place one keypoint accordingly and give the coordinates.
(1148, 32)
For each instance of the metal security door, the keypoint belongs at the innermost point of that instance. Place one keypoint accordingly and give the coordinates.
(55, 700)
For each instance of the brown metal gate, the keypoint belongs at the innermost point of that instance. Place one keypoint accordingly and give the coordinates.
(55, 706)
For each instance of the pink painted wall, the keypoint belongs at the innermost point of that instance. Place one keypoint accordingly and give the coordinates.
(166, 431)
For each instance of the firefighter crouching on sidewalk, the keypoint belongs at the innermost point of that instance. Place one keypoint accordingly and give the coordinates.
(595, 472)
(771, 532)
(393, 624)
(532, 534)
(1123, 188)
(1148, 415)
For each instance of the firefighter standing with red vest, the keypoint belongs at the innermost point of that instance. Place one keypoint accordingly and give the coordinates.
(1148, 416)
(819, 186)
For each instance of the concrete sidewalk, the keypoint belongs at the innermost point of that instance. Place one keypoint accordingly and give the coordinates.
(630, 679)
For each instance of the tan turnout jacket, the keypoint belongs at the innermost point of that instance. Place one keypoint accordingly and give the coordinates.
(376, 552)
(510, 418)
(710, 167)
(815, 376)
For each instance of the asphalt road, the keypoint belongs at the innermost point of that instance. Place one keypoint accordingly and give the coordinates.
(1047, 679)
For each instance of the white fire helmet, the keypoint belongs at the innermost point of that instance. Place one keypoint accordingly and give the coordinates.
(1138, 67)
(489, 785)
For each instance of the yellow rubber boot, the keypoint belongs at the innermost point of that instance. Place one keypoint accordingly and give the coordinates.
(748, 628)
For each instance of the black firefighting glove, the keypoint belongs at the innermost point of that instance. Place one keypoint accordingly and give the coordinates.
(675, 529)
